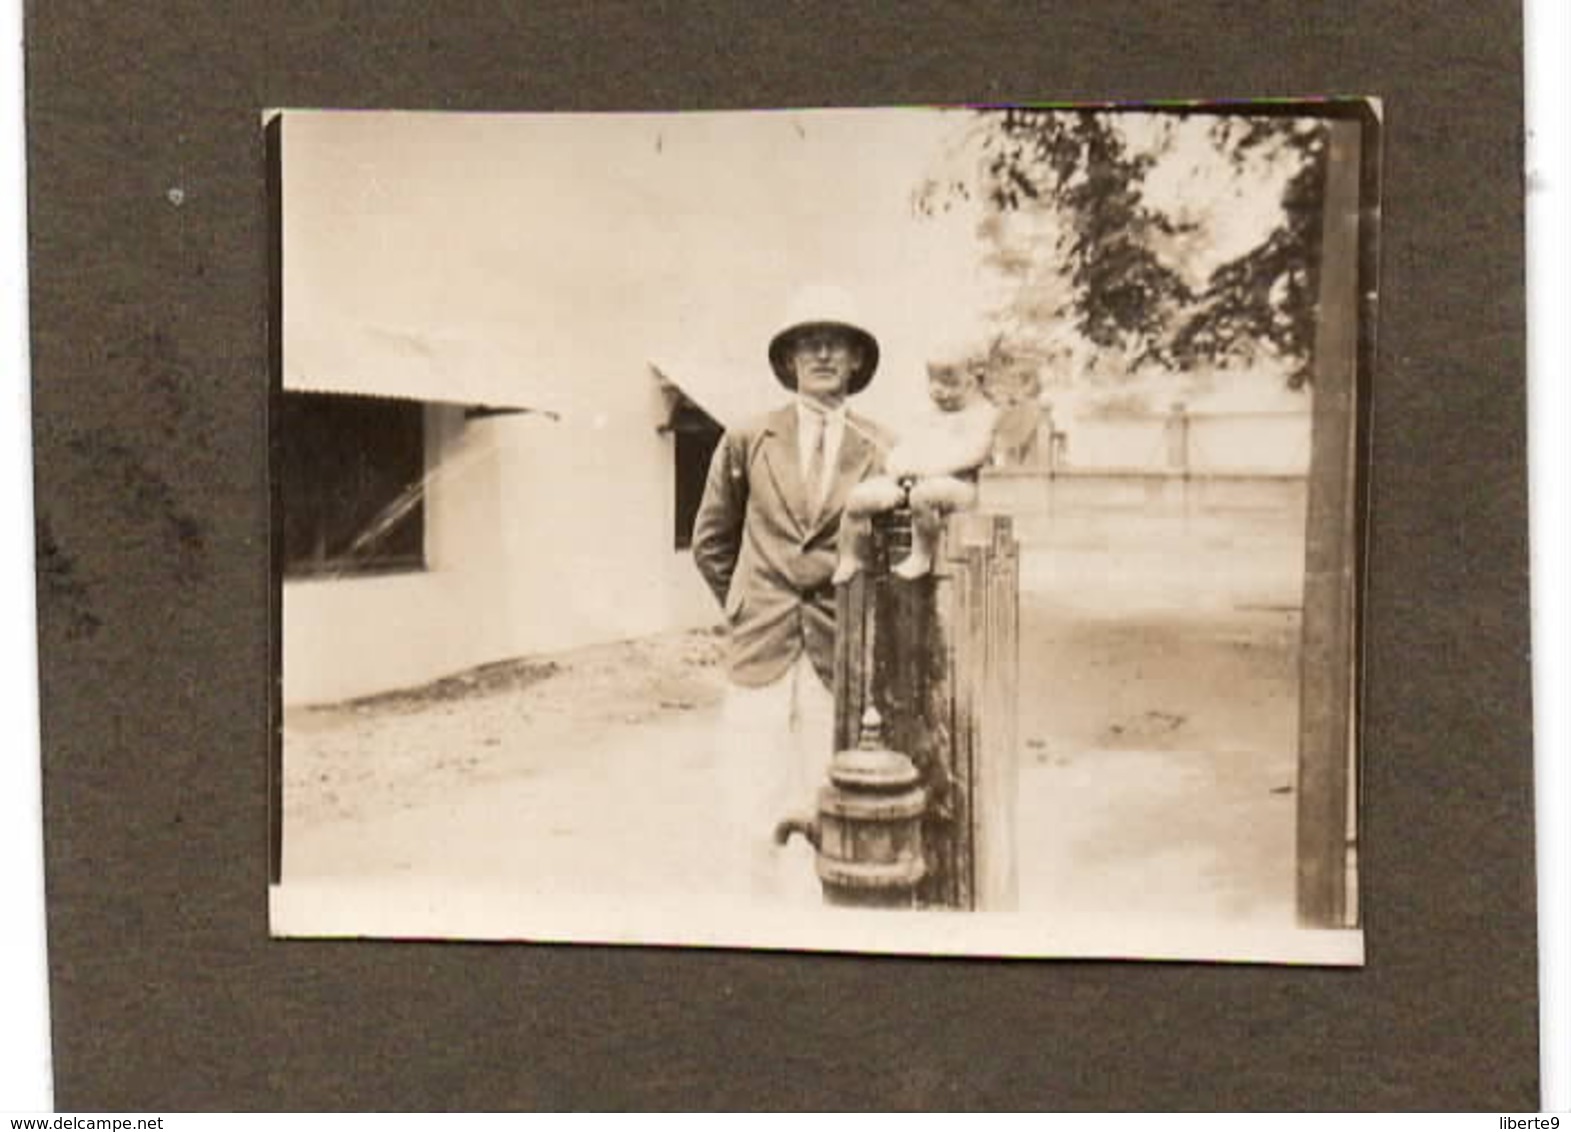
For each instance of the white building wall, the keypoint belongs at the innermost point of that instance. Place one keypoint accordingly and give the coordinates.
(587, 531)
(542, 535)
(353, 636)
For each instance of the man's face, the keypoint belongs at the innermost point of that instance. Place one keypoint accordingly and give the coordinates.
(951, 386)
(822, 361)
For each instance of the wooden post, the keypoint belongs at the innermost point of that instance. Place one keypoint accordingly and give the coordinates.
(1175, 431)
(1327, 655)
(273, 134)
(995, 765)
(940, 657)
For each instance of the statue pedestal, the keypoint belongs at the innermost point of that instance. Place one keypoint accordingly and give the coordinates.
(939, 656)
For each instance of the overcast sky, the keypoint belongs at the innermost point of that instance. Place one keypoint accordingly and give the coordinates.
(548, 244)
(534, 258)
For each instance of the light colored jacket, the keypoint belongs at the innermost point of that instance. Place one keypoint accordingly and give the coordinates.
(763, 553)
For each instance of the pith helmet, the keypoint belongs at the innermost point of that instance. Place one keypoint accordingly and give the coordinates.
(821, 306)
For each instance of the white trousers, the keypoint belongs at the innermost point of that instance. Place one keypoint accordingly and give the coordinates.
(774, 750)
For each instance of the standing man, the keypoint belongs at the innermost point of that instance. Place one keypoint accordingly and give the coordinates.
(765, 542)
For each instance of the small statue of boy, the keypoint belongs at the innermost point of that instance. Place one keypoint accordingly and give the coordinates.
(934, 469)
(1014, 384)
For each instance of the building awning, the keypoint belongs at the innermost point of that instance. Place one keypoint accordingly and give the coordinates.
(370, 361)
(719, 393)
(734, 394)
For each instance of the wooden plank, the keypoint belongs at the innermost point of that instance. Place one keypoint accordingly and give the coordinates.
(965, 660)
(1327, 656)
(850, 659)
(930, 671)
(985, 716)
(273, 133)
(931, 681)
(972, 754)
(920, 678)
(906, 668)
(997, 769)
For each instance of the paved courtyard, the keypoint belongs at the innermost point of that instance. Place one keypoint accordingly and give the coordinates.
(1156, 765)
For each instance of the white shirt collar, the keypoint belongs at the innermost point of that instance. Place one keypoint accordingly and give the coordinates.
(830, 416)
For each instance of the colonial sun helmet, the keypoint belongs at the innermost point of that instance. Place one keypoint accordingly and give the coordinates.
(823, 306)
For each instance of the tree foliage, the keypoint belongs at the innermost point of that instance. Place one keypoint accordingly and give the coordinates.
(1122, 255)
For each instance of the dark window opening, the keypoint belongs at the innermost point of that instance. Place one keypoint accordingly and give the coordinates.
(350, 478)
(695, 435)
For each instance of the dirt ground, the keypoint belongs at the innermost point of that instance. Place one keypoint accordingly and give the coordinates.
(1156, 772)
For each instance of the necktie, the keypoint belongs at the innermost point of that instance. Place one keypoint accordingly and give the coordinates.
(813, 480)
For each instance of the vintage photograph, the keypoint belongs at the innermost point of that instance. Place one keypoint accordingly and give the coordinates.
(908, 530)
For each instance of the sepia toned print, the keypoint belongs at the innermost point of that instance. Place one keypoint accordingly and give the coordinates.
(906, 530)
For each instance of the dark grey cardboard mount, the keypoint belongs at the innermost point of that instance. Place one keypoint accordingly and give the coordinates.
(149, 221)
